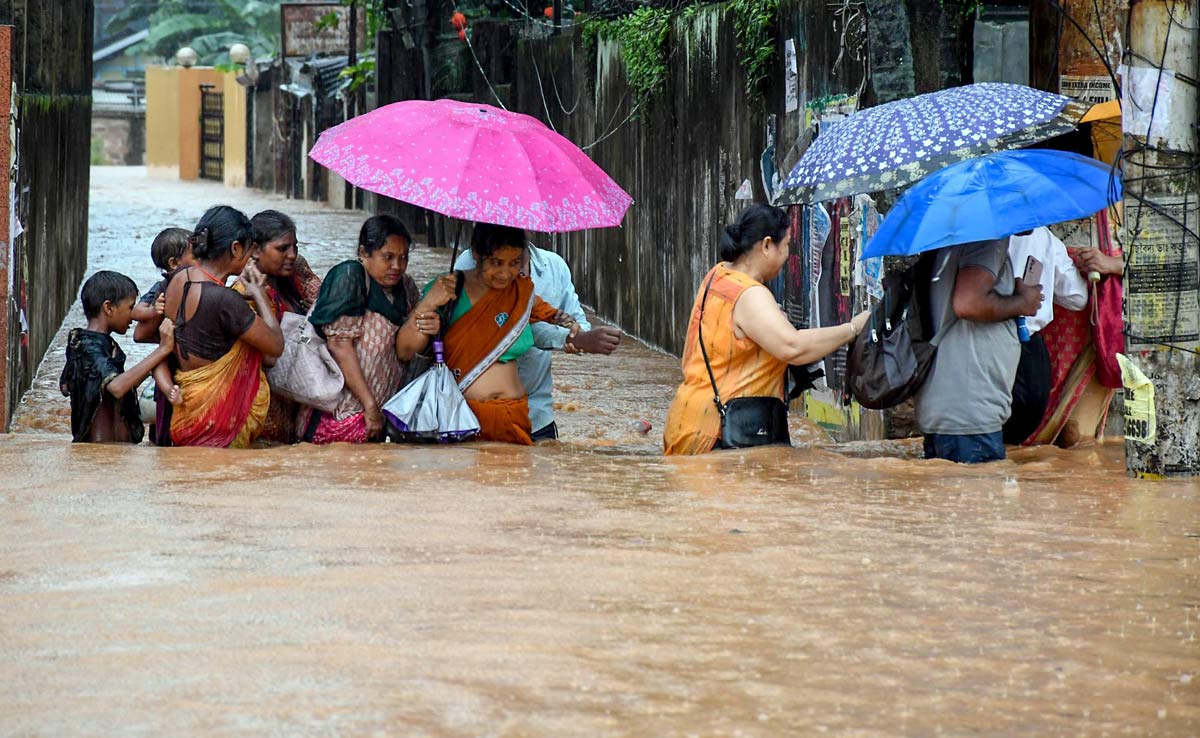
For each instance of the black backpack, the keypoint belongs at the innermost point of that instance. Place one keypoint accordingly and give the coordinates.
(890, 359)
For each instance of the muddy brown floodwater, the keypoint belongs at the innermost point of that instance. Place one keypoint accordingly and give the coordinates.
(592, 588)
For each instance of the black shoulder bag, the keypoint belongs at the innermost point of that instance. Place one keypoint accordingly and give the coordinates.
(745, 421)
(888, 362)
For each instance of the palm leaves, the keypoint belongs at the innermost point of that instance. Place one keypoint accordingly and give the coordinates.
(208, 26)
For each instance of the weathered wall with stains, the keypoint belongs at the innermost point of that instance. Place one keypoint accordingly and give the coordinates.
(684, 154)
(52, 72)
(681, 156)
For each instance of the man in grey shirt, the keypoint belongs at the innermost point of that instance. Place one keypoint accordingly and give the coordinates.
(964, 402)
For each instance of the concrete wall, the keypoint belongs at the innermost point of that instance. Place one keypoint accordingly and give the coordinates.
(51, 68)
(162, 122)
(236, 98)
(120, 136)
(681, 158)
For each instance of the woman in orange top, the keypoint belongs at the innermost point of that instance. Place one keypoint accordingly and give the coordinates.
(749, 340)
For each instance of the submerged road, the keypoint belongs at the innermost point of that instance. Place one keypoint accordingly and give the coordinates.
(591, 588)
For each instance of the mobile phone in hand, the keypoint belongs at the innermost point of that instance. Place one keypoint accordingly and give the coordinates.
(1033, 271)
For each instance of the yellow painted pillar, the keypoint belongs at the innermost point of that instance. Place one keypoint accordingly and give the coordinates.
(235, 131)
(162, 121)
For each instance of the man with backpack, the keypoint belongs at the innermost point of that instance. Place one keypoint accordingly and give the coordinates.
(974, 301)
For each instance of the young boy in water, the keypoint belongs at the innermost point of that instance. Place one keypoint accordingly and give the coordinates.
(171, 251)
(104, 405)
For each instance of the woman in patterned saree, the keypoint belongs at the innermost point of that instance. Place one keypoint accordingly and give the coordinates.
(489, 330)
(291, 287)
(365, 308)
(220, 343)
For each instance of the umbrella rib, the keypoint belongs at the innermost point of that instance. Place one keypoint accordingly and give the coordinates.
(464, 170)
(565, 148)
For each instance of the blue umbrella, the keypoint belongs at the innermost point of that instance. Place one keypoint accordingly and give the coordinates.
(994, 196)
(900, 142)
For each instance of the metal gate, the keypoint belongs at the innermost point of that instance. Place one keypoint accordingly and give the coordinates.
(212, 133)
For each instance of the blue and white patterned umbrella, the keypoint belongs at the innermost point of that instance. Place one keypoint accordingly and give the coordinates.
(900, 142)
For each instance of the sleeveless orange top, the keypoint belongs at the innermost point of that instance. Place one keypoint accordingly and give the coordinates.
(741, 366)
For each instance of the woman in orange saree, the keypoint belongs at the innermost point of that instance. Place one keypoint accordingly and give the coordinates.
(219, 341)
(489, 330)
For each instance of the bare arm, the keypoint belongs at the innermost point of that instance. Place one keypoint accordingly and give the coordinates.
(146, 331)
(264, 333)
(144, 311)
(149, 317)
(423, 321)
(758, 317)
(975, 297)
(130, 379)
(1092, 259)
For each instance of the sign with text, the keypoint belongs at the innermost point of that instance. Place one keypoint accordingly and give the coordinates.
(1087, 87)
(306, 29)
(1162, 282)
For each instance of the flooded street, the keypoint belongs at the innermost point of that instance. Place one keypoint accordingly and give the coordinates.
(589, 588)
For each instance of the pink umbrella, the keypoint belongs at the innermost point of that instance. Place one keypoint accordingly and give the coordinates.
(474, 162)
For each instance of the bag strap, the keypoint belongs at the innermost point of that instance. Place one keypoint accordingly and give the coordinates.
(937, 269)
(498, 350)
(704, 353)
(310, 429)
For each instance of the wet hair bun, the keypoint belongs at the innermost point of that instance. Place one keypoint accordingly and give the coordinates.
(200, 240)
(754, 224)
(219, 228)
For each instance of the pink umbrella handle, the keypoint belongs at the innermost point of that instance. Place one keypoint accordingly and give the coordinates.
(439, 352)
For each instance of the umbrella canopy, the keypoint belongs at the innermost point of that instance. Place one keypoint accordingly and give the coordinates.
(994, 196)
(473, 162)
(431, 407)
(900, 142)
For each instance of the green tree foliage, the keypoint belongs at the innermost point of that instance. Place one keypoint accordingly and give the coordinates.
(208, 26)
(643, 37)
(646, 41)
(754, 23)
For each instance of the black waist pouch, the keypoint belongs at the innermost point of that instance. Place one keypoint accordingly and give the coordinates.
(754, 421)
